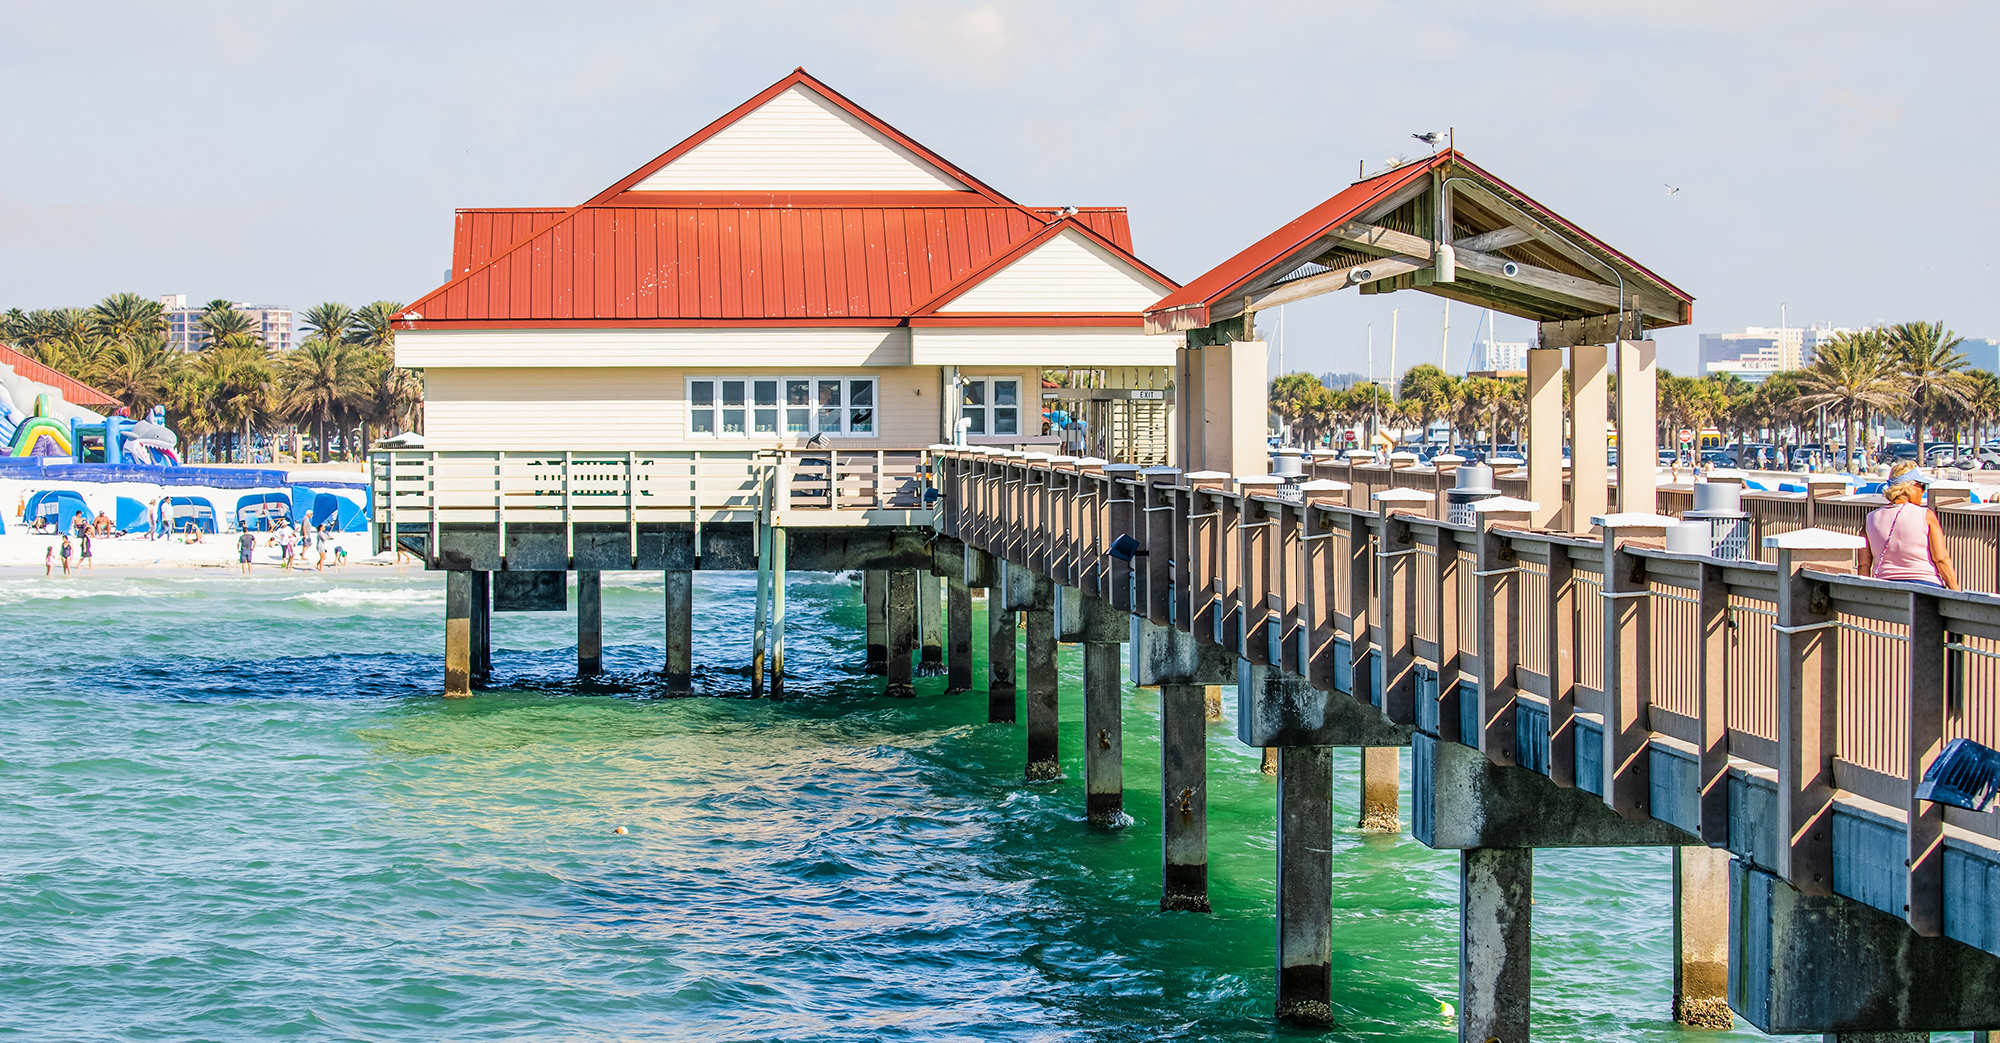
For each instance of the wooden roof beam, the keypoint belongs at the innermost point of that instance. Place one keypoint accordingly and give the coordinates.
(1314, 285)
(1493, 268)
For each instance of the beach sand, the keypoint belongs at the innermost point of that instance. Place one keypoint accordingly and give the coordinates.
(217, 552)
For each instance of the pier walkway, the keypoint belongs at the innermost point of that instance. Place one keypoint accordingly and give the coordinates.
(1766, 719)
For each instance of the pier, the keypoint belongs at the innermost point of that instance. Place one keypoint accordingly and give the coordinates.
(1573, 654)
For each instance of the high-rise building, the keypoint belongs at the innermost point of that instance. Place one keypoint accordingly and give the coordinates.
(271, 323)
(1759, 351)
(1982, 353)
(1494, 356)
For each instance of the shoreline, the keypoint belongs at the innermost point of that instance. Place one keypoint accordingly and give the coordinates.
(25, 553)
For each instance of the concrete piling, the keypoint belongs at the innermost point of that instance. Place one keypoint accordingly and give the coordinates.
(1701, 937)
(482, 628)
(875, 596)
(958, 635)
(930, 626)
(1042, 764)
(1183, 798)
(902, 624)
(1496, 896)
(457, 634)
(1104, 750)
(1380, 787)
(1002, 662)
(680, 632)
(589, 623)
(1305, 883)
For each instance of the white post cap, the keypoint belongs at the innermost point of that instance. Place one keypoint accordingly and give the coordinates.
(1814, 539)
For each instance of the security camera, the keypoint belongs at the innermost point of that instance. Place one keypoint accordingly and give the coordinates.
(1510, 269)
(1360, 275)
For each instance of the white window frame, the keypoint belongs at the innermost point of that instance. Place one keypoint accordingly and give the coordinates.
(717, 410)
(987, 406)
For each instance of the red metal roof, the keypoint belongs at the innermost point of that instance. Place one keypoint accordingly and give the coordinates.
(776, 258)
(1188, 307)
(74, 391)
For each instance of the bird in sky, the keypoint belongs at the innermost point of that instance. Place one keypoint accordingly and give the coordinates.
(1429, 137)
(1671, 190)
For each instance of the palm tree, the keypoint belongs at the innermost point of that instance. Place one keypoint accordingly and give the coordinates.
(373, 325)
(1931, 370)
(238, 384)
(124, 317)
(1854, 372)
(1432, 393)
(1481, 400)
(319, 381)
(332, 321)
(220, 321)
(138, 372)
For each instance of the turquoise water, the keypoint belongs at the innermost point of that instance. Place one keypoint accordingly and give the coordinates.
(235, 810)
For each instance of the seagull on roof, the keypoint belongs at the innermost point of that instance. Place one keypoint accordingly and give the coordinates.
(1429, 137)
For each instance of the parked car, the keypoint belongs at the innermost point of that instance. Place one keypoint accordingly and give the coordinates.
(1668, 458)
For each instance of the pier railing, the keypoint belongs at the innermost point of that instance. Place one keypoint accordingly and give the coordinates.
(1605, 663)
(423, 490)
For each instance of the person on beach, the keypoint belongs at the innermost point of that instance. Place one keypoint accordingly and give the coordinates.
(67, 552)
(49, 561)
(83, 556)
(246, 548)
(78, 525)
(321, 543)
(1905, 542)
(339, 556)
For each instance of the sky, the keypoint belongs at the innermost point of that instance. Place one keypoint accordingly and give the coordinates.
(290, 153)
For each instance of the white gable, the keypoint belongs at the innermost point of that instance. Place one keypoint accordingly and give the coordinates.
(799, 142)
(1069, 273)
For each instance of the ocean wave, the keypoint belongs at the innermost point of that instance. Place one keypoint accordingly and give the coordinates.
(349, 597)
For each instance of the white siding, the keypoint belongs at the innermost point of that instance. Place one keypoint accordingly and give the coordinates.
(541, 409)
(799, 142)
(1053, 346)
(803, 347)
(1069, 273)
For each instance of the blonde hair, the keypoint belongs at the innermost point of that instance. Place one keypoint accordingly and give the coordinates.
(1898, 490)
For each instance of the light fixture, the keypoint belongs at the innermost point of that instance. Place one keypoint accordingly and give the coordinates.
(1510, 270)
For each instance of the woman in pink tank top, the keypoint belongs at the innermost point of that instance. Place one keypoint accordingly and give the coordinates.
(1905, 543)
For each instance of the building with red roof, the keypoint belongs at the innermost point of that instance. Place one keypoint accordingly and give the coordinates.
(797, 269)
(31, 378)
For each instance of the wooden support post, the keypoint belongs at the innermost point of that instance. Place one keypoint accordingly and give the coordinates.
(958, 634)
(680, 632)
(1395, 566)
(482, 628)
(1628, 664)
(457, 634)
(1808, 683)
(778, 549)
(1042, 690)
(1159, 507)
(1496, 888)
(1183, 798)
(1289, 568)
(1449, 664)
(1205, 612)
(930, 625)
(1499, 613)
(1701, 937)
(589, 623)
(1545, 435)
(1712, 666)
(1560, 656)
(875, 597)
(1305, 883)
(1361, 608)
(1256, 530)
(1381, 788)
(1589, 435)
(1317, 597)
(1103, 744)
(1924, 821)
(1638, 446)
(902, 627)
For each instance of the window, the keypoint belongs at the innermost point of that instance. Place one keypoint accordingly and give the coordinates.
(781, 407)
(993, 406)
